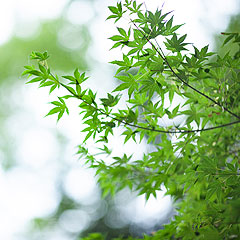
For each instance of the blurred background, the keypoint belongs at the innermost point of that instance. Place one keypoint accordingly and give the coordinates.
(46, 192)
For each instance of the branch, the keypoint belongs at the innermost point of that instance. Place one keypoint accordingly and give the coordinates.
(161, 54)
(146, 128)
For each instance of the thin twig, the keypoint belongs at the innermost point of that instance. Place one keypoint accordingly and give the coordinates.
(162, 55)
(146, 128)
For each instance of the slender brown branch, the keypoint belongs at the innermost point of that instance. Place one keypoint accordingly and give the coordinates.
(162, 55)
(146, 128)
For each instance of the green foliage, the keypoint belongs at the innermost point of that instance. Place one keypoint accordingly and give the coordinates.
(201, 168)
(15, 50)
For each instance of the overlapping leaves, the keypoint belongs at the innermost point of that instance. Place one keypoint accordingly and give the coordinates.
(201, 167)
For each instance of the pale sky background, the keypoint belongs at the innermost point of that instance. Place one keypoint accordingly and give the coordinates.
(28, 190)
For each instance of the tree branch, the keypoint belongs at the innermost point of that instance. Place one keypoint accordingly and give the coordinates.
(161, 54)
(146, 128)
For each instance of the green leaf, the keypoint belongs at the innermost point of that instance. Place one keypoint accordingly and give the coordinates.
(89, 134)
(122, 32)
(53, 111)
(130, 83)
(71, 78)
(36, 79)
(169, 24)
(111, 101)
(117, 38)
(113, 9)
(53, 88)
(70, 89)
(60, 115)
(77, 74)
(228, 39)
(46, 84)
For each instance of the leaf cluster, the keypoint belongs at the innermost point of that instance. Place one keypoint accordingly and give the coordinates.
(200, 170)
